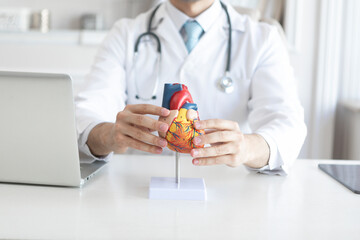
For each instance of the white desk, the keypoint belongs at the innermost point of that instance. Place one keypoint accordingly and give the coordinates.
(307, 204)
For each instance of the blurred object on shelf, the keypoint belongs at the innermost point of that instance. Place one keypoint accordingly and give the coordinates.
(272, 9)
(41, 20)
(14, 19)
(92, 21)
(253, 13)
(268, 9)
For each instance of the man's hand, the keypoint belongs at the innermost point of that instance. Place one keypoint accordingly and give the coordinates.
(131, 129)
(229, 145)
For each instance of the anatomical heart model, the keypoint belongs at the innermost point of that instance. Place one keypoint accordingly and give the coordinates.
(183, 115)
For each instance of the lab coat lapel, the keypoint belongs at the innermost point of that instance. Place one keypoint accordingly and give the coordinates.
(168, 34)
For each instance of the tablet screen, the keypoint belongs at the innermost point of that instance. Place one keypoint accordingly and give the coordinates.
(348, 175)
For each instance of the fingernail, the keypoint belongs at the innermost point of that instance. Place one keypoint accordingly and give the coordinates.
(163, 142)
(197, 125)
(197, 140)
(164, 127)
(158, 150)
(165, 112)
(195, 153)
(196, 162)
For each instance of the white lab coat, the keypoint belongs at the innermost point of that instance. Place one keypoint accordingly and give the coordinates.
(264, 101)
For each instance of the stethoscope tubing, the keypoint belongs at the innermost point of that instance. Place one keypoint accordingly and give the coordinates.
(158, 42)
(228, 61)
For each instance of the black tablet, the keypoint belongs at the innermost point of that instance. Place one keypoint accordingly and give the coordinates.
(348, 175)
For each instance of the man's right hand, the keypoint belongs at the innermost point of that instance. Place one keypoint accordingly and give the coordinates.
(131, 129)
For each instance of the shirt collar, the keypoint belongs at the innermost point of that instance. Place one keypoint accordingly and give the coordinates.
(205, 19)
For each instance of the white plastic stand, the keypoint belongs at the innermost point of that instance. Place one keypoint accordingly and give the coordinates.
(177, 188)
(167, 188)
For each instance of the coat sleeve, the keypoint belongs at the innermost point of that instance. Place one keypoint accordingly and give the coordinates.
(275, 109)
(103, 94)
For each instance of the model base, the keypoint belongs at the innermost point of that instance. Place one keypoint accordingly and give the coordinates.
(167, 188)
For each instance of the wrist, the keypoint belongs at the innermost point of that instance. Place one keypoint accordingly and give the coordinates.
(258, 151)
(98, 140)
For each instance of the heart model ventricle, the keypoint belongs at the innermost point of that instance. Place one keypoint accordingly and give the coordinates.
(183, 115)
(182, 132)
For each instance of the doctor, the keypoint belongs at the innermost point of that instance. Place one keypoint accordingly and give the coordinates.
(237, 71)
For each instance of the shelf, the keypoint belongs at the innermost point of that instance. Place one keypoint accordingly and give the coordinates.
(66, 37)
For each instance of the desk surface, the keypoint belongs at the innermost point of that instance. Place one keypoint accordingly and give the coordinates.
(307, 204)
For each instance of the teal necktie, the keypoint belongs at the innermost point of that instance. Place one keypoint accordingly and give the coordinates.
(193, 31)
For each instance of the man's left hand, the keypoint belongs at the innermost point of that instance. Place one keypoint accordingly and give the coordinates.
(229, 145)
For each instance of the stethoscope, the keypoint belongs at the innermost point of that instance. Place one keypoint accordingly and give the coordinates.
(225, 83)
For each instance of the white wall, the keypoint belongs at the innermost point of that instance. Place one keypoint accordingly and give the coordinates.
(65, 14)
(62, 51)
(72, 59)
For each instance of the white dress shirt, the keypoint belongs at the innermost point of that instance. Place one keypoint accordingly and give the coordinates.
(206, 19)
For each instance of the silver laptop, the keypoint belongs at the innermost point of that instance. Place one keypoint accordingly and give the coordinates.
(38, 140)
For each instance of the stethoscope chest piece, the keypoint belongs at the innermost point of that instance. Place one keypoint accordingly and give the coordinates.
(226, 84)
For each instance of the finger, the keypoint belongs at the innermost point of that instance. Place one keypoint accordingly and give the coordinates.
(145, 147)
(207, 131)
(216, 137)
(144, 136)
(225, 159)
(216, 144)
(148, 109)
(213, 151)
(219, 124)
(145, 129)
(147, 122)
